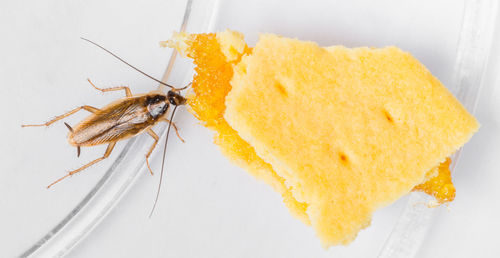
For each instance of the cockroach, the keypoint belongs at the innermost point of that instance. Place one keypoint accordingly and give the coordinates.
(122, 119)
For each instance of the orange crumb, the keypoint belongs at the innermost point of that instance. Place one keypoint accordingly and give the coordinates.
(439, 186)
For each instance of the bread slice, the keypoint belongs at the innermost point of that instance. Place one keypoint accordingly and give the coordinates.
(338, 132)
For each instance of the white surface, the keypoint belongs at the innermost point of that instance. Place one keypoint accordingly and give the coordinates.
(208, 207)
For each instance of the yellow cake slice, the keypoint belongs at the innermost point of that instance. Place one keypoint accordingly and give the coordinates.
(338, 132)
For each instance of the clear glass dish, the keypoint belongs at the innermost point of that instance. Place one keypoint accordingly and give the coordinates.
(209, 207)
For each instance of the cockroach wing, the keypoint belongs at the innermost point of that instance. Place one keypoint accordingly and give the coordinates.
(117, 121)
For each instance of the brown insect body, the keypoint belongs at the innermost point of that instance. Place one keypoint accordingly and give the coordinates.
(120, 120)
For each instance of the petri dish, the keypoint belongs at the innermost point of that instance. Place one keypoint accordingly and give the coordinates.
(210, 208)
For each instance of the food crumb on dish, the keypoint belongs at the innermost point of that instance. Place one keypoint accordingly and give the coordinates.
(338, 132)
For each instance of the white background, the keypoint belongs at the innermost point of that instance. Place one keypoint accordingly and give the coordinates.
(208, 208)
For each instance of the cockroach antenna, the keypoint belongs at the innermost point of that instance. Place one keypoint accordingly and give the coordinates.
(133, 67)
(163, 162)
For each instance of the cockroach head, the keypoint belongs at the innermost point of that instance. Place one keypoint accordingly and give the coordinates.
(175, 98)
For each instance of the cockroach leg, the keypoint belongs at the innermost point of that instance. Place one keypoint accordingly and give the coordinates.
(128, 93)
(155, 136)
(106, 154)
(57, 118)
(175, 127)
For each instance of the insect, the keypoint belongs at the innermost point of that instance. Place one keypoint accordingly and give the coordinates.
(122, 119)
